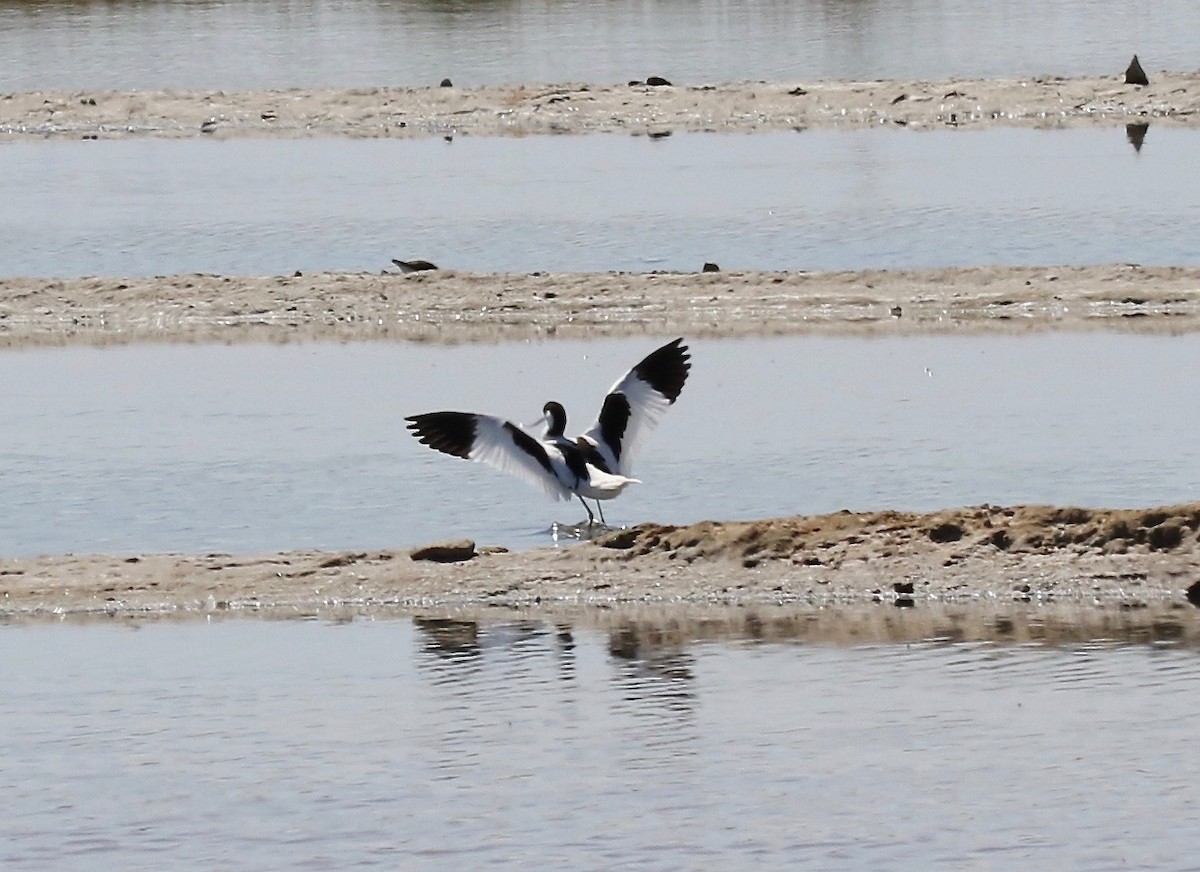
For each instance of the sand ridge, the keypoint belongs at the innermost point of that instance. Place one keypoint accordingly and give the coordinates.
(1117, 559)
(448, 306)
(1172, 97)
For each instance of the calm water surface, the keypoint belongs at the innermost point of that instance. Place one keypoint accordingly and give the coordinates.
(261, 447)
(813, 200)
(289, 43)
(438, 744)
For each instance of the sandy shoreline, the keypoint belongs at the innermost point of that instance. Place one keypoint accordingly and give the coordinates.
(451, 307)
(1045, 101)
(1101, 568)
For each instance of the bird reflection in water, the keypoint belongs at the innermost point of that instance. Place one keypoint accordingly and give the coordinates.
(653, 667)
(460, 642)
(1136, 134)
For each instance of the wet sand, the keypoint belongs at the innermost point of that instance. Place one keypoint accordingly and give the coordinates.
(1171, 98)
(451, 307)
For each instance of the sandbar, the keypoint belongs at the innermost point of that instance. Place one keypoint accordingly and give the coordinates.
(1173, 98)
(1089, 568)
(449, 307)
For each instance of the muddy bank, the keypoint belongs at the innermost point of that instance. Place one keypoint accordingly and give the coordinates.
(1118, 561)
(1170, 98)
(452, 307)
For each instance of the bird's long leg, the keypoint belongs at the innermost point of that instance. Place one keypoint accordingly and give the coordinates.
(600, 509)
(591, 517)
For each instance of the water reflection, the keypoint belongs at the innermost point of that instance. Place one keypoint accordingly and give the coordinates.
(449, 638)
(1136, 134)
(652, 668)
(651, 647)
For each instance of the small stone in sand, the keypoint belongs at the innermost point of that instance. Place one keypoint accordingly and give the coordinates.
(709, 266)
(657, 81)
(454, 551)
(446, 83)
(947, 532)
(1134, 74)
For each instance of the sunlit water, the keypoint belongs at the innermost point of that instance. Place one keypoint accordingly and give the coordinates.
(441, 744)
(262, 447)
(288, 43)
(813, 200)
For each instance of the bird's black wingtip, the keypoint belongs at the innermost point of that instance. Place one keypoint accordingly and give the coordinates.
(666, 370)
(451, 433)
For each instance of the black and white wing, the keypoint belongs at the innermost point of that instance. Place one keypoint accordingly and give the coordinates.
(494, 441)
(634, 406)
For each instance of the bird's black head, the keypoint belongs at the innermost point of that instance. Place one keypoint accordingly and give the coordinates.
(556, 417)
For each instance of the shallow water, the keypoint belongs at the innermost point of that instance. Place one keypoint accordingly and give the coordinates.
(813, 200)
(290, 43)
(248, 448)
(436, 743)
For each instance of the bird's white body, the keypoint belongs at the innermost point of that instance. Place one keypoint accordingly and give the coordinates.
(601, 485)
(499, 444)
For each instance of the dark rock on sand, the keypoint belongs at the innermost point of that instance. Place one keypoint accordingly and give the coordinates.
(948, 532)
(409, 266)
(1134, 74)
(709, 266)
(659, 81)
(454, 551)
(1193, 594)
(1166, 535)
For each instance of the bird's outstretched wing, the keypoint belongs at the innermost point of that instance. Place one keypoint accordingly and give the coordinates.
(634, 405)
(494, 441)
